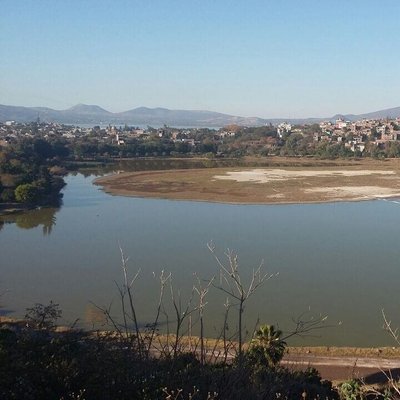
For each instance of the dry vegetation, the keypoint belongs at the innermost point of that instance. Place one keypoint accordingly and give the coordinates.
(277, 181)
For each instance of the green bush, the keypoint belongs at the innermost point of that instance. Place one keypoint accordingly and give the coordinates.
(26, 193)
(351, 390)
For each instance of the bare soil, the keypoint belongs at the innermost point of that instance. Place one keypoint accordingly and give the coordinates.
(279, 181)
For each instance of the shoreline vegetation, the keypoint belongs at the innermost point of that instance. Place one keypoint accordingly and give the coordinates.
(31, 176)
(197, 182)
(75, 352)
(308, 352)
(276, 180)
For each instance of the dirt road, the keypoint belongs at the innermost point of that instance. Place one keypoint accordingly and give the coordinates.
(371, 369)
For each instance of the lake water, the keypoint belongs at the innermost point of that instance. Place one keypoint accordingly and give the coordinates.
(335, 259)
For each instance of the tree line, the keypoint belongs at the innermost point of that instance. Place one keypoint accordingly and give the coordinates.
(31, 171)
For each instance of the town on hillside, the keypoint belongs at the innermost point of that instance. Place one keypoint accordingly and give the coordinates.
(377, 138)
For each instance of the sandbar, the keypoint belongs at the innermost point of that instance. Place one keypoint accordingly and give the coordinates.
(244, 185)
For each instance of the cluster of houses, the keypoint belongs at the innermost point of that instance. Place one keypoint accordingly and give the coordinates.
(121, 136)
(11, 131)
(355, 134)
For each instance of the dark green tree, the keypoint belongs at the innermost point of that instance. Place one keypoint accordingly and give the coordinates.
(43, 149)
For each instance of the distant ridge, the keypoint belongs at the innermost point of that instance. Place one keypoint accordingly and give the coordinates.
(388, 113)
(87, 109)
(93, 114)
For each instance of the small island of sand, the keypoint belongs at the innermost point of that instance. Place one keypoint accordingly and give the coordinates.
(272, 185)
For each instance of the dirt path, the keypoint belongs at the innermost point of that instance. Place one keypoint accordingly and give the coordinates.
(371, 369)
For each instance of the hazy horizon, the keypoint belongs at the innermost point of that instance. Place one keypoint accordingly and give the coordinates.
(216, 111)
(284, 59)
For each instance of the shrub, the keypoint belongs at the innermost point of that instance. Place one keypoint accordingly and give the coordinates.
(351, 390)
(43, 316)
(26, 193)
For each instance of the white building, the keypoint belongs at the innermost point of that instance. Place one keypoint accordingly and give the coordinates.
(284, 127)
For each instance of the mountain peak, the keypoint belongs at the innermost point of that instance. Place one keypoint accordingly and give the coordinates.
(93, 114)
(87, 108)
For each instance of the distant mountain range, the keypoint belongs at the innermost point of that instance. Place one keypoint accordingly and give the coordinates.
(92, 114)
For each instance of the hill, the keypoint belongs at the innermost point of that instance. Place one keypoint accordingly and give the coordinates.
(93, 114)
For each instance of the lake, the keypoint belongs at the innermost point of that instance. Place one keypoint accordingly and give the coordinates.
(334, 259)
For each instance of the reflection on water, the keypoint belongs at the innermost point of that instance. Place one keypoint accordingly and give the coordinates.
(165, 164)
(44, 217)
(339, 259)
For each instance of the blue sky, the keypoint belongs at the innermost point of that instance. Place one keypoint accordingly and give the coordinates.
(271, 58)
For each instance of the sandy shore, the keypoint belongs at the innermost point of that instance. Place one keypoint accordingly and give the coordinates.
(262, 185)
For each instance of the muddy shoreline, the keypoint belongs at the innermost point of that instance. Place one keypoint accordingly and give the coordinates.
(261, 185)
